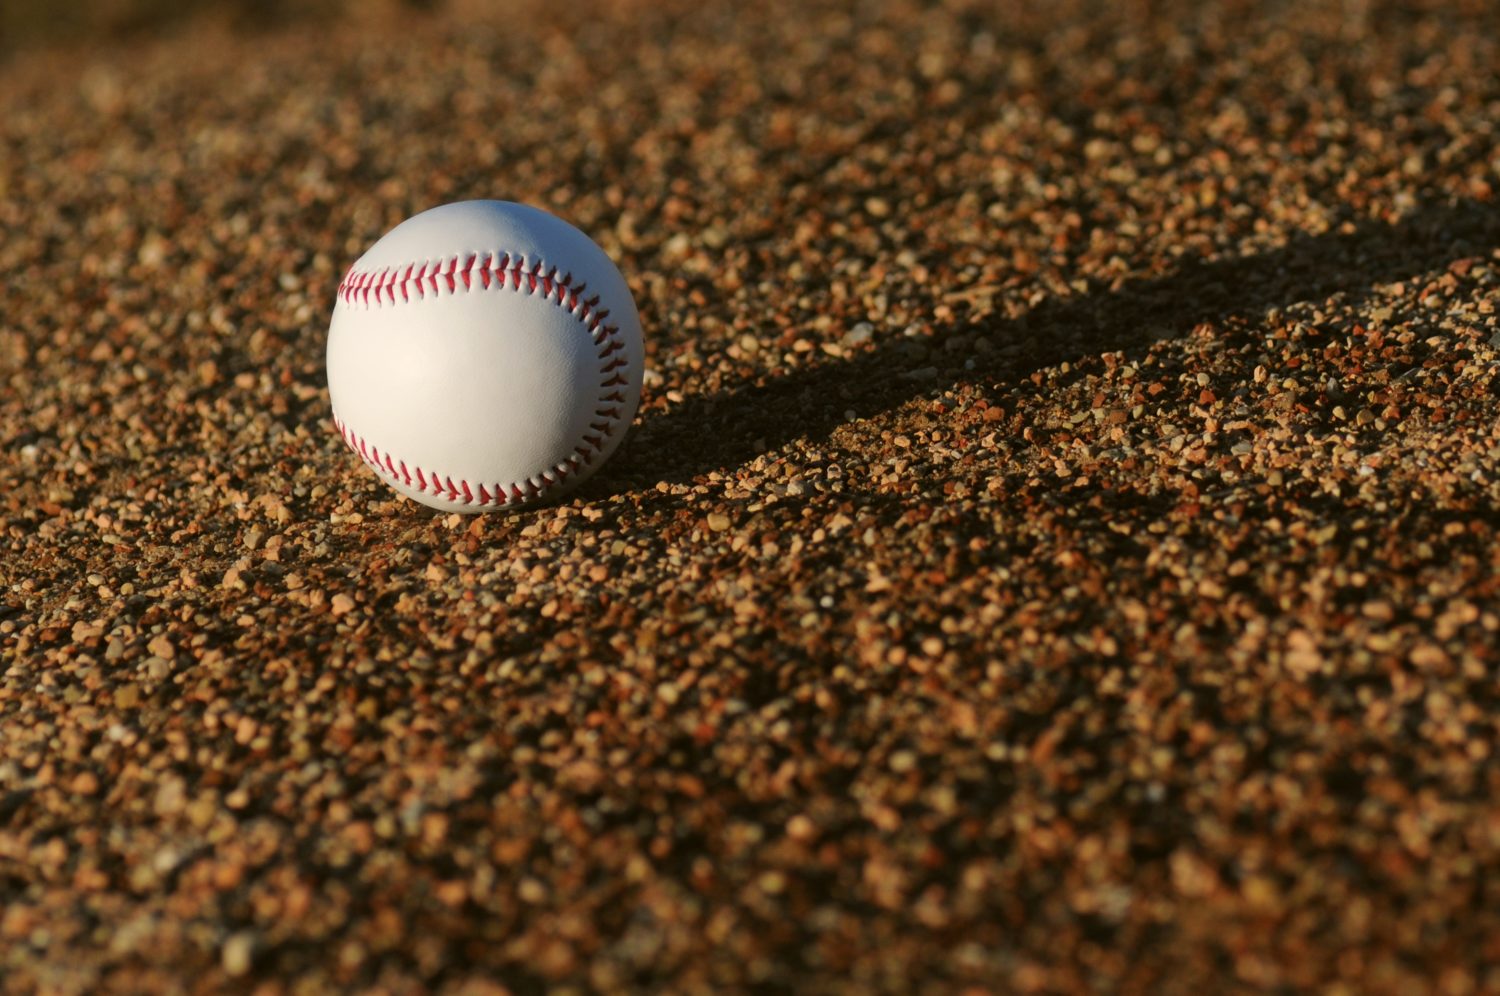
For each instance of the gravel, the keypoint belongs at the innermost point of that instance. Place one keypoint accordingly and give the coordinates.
(1056, 551)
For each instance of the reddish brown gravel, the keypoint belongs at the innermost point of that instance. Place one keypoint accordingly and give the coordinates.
(1056, 553)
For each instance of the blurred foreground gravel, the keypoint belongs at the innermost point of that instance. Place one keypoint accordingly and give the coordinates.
(1057, 551)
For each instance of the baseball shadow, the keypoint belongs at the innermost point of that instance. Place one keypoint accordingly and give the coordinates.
(719, 431)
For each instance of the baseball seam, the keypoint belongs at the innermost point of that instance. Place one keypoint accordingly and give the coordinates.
(476, 272)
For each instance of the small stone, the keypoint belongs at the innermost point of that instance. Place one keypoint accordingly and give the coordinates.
(861, 333)
(237, 953)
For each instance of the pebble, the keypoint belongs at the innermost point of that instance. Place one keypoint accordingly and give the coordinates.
(237, 953)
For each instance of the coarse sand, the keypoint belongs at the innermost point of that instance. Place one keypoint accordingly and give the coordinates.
(1056, 551)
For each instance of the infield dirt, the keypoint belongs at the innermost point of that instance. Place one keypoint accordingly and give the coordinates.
(1056, 551)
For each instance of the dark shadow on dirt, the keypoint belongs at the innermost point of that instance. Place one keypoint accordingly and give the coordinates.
(726, 429)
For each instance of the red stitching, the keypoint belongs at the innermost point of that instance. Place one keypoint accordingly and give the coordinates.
(495, 270)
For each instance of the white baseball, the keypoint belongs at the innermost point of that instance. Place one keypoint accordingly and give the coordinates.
(484, 355)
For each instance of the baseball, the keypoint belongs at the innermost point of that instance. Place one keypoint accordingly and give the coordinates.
(484, 355)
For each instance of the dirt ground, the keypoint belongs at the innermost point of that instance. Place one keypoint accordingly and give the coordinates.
(1056, 551)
